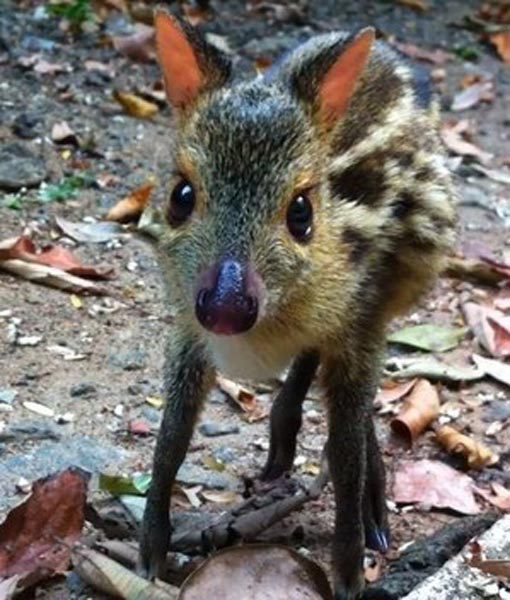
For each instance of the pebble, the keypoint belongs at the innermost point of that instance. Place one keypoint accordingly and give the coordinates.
(151, 414)
(20, 167)
(130, 360)
(225, 454)
(7, 395)
(83, 389)
(29, 340)
(25, 126)
(314, 416)
(212, 429)
(195, 475)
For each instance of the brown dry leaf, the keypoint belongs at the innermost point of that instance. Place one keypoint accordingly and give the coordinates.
(44, 67)
(267, 570)
(245, 399)
(36, 537)
(139, 46)
(477, 454)
(420, 409)
(474, 270)
(110, 577)
(498, 496)
(434, 484)
(473, 95)
(419, 5)
(436, 57)
(454, 138)
(130, 208)
(391, 391)
(501, 41)
(220, 496)
(498, 568)
(136, 106)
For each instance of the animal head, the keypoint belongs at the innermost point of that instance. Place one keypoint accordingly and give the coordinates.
(248, 231)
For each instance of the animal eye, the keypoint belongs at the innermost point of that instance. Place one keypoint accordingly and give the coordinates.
(182, 203)
(300, 218)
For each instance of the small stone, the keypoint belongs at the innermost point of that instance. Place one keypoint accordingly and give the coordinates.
(23, 485)
(84, 389)
(29, 340)
(20, 167)
(194, 475)
(212, 429)
(130, 360)
(7, 395)
(314, 416)
(118, 411)
(25, 126)
(224, 454)
(64, 419)
(151, 414)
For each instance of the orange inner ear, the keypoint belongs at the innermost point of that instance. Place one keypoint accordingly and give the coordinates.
(183, 77)
(339, 84)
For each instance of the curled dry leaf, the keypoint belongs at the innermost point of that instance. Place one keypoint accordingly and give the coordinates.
(130, 208)
(495, 368)
(136, 106)
(391, 391)
(245, 399)
(495, 567)
(420, 409)
(434, 484)
(431, 368)
(257, 571)
(110, 577)
(35, 538)
(220, 496)
(473, 95)
(476, 454)
(93, 233)
(139, 46)
(490, 327)
(419, 5)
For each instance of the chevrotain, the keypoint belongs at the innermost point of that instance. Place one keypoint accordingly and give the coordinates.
(307, 207)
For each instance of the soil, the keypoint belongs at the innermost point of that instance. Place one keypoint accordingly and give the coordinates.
(122, 337)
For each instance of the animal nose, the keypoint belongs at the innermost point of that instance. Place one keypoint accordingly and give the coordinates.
(227, 302)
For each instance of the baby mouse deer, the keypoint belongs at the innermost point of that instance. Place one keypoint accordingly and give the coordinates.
(307, 207)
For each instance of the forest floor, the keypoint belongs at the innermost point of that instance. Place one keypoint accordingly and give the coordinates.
(93, 362)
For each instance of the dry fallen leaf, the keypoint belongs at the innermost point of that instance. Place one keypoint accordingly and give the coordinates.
(39, 409)
(139, 46)
(501, 40)
(454, 138)
(136, 106)
(36, 537)
(498, 496)
(257, 571)
(476, 454)
(498, 568)
(434, 484)
(245, 399)
(436, 57)
(391, 391)
(495, 368)
(490, 327)
(420, 409)
(474, 270)
(473, 95)
(110, 577)
(220, 496)
(130, 208)
(419, 5)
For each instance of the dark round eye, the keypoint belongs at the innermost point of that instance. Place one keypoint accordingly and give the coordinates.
(300, 217)
(182, 203)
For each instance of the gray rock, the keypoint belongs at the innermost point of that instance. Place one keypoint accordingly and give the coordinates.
(128, 360)
(194, 475)
(213, 429)
(50, 457)
(225, 454)
(83, 389)
(20, 167)
(7, 395)
(152, 414)
(33, 430)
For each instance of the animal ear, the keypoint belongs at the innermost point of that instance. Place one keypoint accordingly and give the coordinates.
(190, 65)
(327, 78)
(339, 83)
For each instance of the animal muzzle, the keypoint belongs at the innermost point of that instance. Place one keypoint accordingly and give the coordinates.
(229, 297)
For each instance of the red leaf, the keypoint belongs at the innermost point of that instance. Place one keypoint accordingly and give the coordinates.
(139, 427)
(36, 537)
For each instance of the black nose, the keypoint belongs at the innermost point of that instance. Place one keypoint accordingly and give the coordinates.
(226, 304)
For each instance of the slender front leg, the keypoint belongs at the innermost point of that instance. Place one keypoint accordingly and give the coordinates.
(188, 378)
(286, 415)
(348, 394)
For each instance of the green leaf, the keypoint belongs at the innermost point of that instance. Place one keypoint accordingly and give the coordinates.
(430, 368)
(118, 485)
(65, 189)
(431, 338)
(12, 201)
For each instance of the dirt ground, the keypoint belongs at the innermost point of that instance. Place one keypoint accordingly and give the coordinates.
(121, 337)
